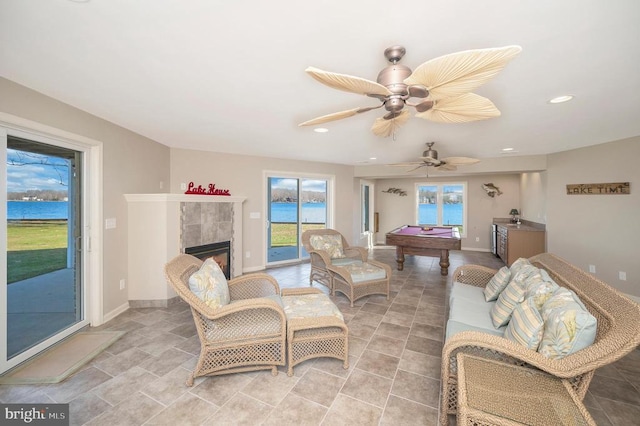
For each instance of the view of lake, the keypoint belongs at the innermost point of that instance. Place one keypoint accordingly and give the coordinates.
(288, 212)
(451, 214)
(317, 213)
(280, 212)
(37, 210)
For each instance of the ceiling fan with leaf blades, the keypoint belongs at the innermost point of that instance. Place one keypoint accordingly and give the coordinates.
(441, 88)
(430, 159)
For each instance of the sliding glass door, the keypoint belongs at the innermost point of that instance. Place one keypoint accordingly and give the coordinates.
(294, 204)
(43, 286)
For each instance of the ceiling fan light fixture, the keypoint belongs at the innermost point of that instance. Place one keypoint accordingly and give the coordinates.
(321, 130)
(561, 99)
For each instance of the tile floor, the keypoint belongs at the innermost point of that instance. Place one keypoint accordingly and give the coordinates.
(393, 378)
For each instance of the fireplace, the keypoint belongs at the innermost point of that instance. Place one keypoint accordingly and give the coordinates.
(220, 252)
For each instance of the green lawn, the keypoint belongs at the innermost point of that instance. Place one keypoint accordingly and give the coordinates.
(284, 234)
(35, 248)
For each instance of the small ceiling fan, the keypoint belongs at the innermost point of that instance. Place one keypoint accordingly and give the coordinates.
(441, 88)
(430, 159)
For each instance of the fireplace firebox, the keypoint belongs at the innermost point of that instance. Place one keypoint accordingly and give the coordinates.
(220, 252)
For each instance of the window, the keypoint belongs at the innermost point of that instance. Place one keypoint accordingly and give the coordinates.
(442, 204)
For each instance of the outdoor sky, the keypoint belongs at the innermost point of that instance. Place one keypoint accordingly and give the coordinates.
(29, 171)
(307, 184)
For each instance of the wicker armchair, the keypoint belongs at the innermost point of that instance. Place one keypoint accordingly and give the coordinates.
(320, 259)
(618, 332)
(247, 334)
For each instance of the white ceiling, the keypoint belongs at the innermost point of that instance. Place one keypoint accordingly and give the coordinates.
(228, 76)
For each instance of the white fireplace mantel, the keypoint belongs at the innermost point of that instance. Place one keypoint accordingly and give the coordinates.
(154, 239)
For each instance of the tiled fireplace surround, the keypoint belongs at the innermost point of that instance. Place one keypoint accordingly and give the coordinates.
(163, 226)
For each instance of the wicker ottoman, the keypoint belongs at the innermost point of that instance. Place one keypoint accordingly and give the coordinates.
(360, 279)
(494, 393)
(315, 327)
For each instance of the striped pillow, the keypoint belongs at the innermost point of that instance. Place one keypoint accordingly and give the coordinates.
(498, 283)
(526, 326)
(510, 297)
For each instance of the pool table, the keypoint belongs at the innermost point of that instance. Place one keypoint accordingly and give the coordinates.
(432, 241)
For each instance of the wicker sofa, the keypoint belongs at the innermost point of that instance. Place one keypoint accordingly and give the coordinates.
(617, 333)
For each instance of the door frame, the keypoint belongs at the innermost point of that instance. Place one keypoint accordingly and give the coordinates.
(266, 174)
(92, 195)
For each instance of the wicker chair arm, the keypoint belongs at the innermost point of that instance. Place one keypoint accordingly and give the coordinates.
(476, 275)
(243, 307)
(252, 286)
(357, 252)
(497, 347)
(319, 257)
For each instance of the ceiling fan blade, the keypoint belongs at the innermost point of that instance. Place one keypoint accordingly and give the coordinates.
(348, 83)
(462, 109)
(416, 168)
(411, 163)
(462, 72)
(337, 116)
(385, 127)
(460, 161)
(447, 167)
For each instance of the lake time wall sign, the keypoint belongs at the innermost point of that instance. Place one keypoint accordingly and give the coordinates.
(615, 188)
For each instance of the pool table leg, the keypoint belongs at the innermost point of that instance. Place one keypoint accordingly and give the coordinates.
(400, 258)
(444, 262)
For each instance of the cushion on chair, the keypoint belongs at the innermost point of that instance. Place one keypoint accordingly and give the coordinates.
(568, 326)
(210, 285)
(526, 325)
(511, 296)
(310, 306)
(363, 271)
(342, 261)
(539, 290)
(497, 283)
(330, 243)
(519, 263)
(466, 291)
(466, 314)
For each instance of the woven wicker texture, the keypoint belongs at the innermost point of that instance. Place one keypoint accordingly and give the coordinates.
(618, 332)
(494, 393)
(317, 337)
(247, 334)
(342, 282)
(320, 259)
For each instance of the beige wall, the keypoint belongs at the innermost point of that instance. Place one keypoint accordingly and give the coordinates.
(533, 199)
(600, 230)
(395, 210)
(244, 176)
(131, 164)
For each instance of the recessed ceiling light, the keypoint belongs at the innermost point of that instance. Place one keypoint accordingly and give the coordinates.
(321, 130)
(372, 158)
(507, 149)
(561, 99)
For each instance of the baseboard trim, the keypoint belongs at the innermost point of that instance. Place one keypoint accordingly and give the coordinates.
(114, 313)
(253, 269)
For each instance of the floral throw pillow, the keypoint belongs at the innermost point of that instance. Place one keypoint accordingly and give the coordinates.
(332, 244)
(568, 326)
(210, 284)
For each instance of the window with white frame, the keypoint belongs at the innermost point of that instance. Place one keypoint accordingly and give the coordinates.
(442, 204)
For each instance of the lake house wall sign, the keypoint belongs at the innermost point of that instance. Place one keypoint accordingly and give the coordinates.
(615, 188)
